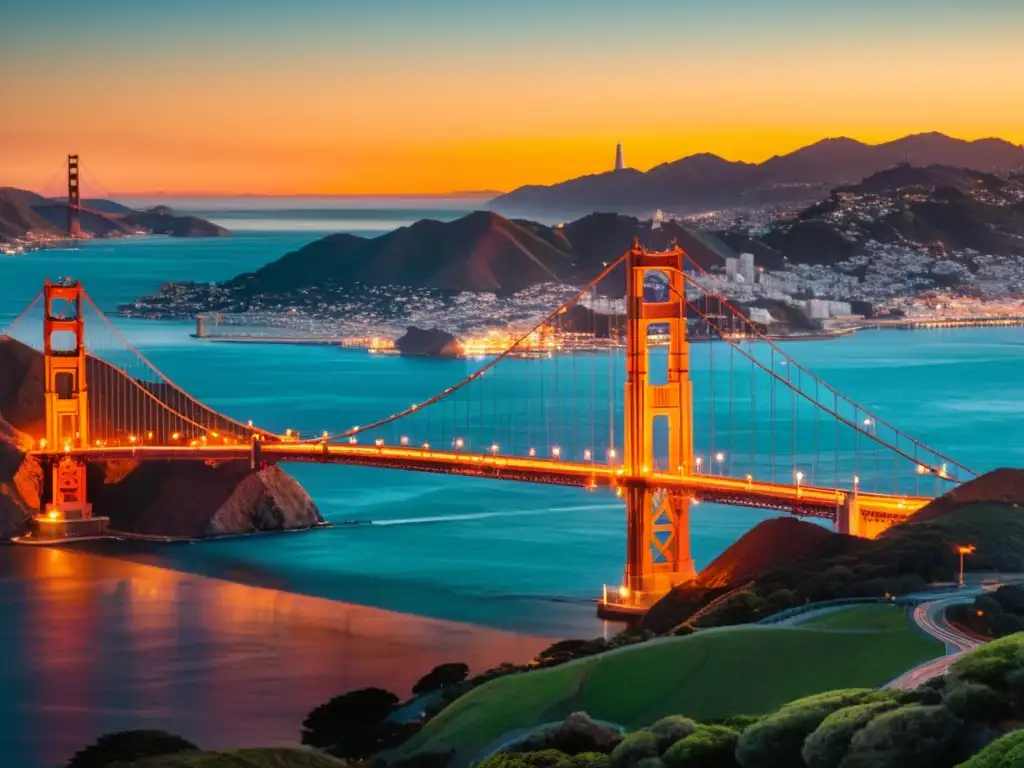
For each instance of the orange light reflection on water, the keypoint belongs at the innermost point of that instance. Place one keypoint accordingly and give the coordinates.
(100, 644)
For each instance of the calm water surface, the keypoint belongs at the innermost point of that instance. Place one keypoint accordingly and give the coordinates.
(117, 637)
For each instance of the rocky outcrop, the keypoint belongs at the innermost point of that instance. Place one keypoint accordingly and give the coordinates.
(180, 499)
(418, 342)
(20, 482)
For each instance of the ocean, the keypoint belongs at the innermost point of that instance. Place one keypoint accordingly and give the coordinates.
(263, 628)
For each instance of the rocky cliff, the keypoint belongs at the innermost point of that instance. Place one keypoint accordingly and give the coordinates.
(157, 498)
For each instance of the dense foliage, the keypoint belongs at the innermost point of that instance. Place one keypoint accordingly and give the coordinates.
(353, 723)
(128, 746)
(993, 614)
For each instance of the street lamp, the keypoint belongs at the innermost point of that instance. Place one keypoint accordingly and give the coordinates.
(963, 550)
(799, 477)
(719, 458)
(698, 461)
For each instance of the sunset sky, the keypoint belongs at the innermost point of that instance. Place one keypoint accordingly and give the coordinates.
(418, 96)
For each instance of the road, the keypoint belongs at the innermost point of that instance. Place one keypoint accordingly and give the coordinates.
(930, 617)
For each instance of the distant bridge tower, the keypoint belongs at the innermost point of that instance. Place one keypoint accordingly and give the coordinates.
(74, 199)
(66, 396)
(658, 523)
(620, 165)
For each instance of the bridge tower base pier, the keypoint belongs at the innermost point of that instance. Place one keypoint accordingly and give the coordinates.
(848, 517)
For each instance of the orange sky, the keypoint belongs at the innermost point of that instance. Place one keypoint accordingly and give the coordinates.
(410, 105)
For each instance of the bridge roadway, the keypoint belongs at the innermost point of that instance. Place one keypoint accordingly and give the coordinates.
(804, 500)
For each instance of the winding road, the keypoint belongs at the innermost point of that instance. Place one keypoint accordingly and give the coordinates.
(930, 617)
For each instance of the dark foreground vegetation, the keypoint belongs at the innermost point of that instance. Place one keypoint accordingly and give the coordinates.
(968, 719)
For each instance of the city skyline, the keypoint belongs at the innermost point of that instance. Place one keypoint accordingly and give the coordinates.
(315, 97)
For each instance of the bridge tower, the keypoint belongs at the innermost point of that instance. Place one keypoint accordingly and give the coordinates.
(66, 396)
(658, 522)
(74, 199)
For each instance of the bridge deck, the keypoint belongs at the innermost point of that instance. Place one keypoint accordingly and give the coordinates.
(805, 500)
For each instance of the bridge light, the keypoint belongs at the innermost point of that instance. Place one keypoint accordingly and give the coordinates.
(645, 469)
(42, 443)
(53, 514)
(556, 451)
(175, 436)
(99, 443)
(131, 438)
(698, 461)
(149, 435)
(352, 440)
(426, 446)
(459, 442)
(413, 407)
(856, 481)
(355, 428)
(225, 441)
(287, 433)
(587, 455)
(618, 492)
(404, 440)
(611, 453)
(494, 448)
(250, 422)
(532, 452)
(214, 434)
(624, 592)
(719, 457)
(379, 442)
(67, 447)
(868, 422)
(193, 443)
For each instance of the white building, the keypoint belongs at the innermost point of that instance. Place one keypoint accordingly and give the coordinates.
(817, 309)
(746, 267)
(732, 266)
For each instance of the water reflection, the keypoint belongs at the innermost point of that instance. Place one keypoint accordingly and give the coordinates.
(93, 644)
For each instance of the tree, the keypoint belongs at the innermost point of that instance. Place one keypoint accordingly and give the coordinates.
(126, 746)
(351, 722)
(668, 730)
(776, 740)
(976, 702)
(827, 745)
(914, 736)
(1005, 752)
(709, 746)
(635, 748)
(441, 676)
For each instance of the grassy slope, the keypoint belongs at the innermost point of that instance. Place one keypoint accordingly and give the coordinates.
(882, 617)
(707, 675)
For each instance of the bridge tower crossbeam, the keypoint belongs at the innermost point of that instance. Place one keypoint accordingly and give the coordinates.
(658, 522)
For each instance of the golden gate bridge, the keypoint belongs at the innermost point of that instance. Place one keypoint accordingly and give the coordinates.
(734, 421)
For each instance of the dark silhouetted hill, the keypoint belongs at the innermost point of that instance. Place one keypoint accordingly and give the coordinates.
(482, 251)
(24, 213)
(704, 181)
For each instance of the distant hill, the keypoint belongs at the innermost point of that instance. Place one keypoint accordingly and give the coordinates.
(939, 208)
(705, 181)
(26, 214)
(482, 251)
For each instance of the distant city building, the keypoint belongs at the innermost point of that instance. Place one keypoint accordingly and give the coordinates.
(620, 165)
(732, 266)
(817, 309)
(746, 267)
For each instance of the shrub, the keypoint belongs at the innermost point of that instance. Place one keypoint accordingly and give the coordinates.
(578, 734)
(975, 702)
(827, 745)
(126, 746)
(668, 730)
(351, 721)
(545, 758)
(709, 746)
(441, 676)
(914, 736)
(591, 760)
(738, 723)
(1006, 752)
(776, 740)
(634, 748)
